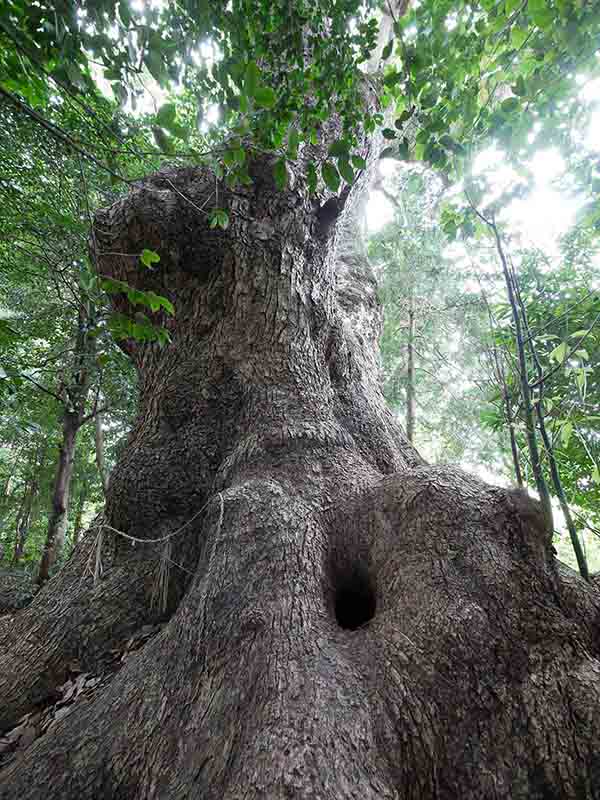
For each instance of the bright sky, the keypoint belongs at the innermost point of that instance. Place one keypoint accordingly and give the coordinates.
(539, 219)
(546, 213)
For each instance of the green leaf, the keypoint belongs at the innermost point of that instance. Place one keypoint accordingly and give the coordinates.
(180, 131)
(518, 37)
(293, 142)
(124, 12)
(165, 116)
(265, 97)
(542, 16)
(559, 353)
(578, 334)
(358, 162)
(219, 218)
(519, 88)
(388, 133)
(280, 174)
(157, 301)
(229, 158)
(401, 104)
(490, 418)
(340, 147)
(330, 176)
(387, 50)
(596, 474)
(113, 286)
(346, 170)
(510, 104)
(566, 432)
(252, 79)
(392, 78)
(149, 257)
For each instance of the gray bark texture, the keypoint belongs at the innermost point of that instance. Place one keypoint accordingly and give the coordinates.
(341, 620)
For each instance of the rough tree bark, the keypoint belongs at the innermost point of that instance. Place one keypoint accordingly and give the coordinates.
(345, 620)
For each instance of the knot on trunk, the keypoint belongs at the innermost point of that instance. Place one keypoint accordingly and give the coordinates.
(170, 214)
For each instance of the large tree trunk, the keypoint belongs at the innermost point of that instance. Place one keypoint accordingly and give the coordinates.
(343, 621)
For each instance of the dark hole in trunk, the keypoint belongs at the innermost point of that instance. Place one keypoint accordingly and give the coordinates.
(355, 601)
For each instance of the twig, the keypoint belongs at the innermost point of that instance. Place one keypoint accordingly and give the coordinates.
(42, 388)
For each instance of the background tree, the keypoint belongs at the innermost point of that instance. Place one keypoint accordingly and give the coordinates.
(431, 342)
(58, 352)
(562, 310)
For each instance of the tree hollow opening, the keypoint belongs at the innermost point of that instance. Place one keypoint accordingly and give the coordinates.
(355, 601)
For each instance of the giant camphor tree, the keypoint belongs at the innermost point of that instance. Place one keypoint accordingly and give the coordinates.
(340, 619)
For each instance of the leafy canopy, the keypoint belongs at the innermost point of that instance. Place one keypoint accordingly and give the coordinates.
(453, 75)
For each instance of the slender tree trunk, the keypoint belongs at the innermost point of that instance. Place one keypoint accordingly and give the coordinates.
(5, 494)
(532, 444)
(410, 373)
(57, 524)
(27, 512)
(22, 521)
(5, 497)
(510, 423)
(76, 395)
(560, 494)
(343, 621)
(18, 518)
(79, 515)
(514, 449)
(99, 443)
(500, 374)
(554, 471)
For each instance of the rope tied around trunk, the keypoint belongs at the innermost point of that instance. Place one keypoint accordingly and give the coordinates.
(96, 553)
